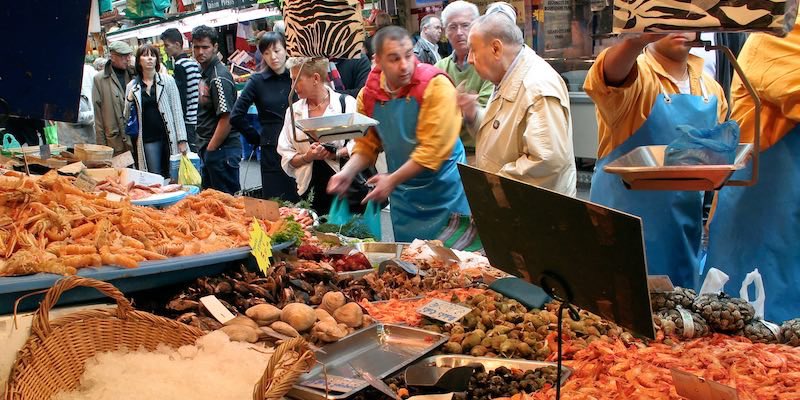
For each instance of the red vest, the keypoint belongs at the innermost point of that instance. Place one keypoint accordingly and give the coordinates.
(373, 92)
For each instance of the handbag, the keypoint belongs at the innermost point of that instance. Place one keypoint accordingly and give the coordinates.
(132, 126)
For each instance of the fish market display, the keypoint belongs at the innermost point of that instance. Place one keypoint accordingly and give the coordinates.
(133, 190)
(724, 313)
(334, 319)
(49, 225)
(396, 283)
(615, 370)
(502, 327)
(680, 297)
(681, 323)
(189, 372)
(354, 261)
(239, 290)
(790, 332)
(760, 331)
(404, 311)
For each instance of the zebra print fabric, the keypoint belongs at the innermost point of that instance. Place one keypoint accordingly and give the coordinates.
(324, 28)
(775, 16)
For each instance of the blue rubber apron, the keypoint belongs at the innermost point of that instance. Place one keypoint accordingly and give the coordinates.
(422, 205)
(759, 227)
(672, 220)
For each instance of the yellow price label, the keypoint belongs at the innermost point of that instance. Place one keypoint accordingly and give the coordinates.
(260, 245)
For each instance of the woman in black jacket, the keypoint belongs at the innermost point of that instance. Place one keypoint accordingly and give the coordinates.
(269, 90)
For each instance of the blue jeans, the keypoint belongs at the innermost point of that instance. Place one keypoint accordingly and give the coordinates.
(221, 168)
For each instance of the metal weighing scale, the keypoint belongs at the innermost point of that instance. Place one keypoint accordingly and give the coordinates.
(329, 128)
(643, 167)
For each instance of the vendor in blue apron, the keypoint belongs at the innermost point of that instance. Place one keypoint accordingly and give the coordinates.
(419, 128)
(644, 87)
(759, 226)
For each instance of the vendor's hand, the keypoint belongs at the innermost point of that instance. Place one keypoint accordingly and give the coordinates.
(339, 183)
(384, 186)
(468, 102)
(183, 147)
(317, 152)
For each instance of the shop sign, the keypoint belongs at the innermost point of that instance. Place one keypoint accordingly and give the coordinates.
(216, 308)
(215, 5)
(444, 311)
(335, 383)
(260, 246)
(694, 387)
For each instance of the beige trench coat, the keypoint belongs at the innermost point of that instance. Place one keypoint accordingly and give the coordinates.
(525, 130)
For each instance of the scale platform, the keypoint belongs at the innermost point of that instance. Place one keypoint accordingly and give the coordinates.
(336, 127)
(643, 169)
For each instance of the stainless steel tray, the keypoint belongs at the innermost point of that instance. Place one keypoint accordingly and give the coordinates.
(380, 350)
(336, 127)
(490, 363)
(378, 252)
(643, 169)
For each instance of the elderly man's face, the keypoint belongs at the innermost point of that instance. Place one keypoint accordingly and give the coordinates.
(396, 60)
(120, 61)
(485, 57)
(433, 31)
(457, 30)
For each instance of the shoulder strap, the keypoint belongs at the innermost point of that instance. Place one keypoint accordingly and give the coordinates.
(341, 102)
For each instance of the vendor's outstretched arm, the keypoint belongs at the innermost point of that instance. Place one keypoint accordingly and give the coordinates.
(621, 58)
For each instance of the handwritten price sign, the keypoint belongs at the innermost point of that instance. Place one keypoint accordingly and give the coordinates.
(261, 245)
(444, 311)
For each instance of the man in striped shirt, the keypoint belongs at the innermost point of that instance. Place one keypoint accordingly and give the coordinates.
(187, 77)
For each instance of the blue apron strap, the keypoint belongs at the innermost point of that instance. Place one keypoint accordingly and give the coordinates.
(667, 97)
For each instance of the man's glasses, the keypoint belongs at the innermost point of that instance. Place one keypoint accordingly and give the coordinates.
(456, 27)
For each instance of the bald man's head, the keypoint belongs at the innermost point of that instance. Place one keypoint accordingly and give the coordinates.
(494, 42)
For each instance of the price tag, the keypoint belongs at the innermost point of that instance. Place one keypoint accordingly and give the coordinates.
(262, 209)
(123, 160)
(260, 245)
(444, 311)
(85, 182)
(335, 383)
(696, 388)
(217, 309)
(659, 283)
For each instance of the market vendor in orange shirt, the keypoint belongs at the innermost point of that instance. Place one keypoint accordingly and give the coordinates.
(759, 226)
(419, 128)
(644, 87)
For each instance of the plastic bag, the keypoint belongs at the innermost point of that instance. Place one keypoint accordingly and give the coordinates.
(755, 279)
(175, 163)
(340, 211)
(372, 217)
(715, 146)
(188, 174)
(759, 330)
(50, 132)
(714, 282)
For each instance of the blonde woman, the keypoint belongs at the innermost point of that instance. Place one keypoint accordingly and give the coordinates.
(313, 164)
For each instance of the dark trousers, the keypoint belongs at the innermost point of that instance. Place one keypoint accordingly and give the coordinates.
(191, 137)
(221, 168)
(321, 173)
(274, 181)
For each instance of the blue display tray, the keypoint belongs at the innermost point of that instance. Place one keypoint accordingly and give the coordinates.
(149, 275)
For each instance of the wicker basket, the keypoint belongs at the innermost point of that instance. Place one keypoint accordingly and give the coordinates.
(53, 358)
(93, 153)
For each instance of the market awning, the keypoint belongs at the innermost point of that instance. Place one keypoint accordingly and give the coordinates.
(186, 24)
